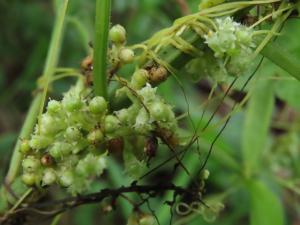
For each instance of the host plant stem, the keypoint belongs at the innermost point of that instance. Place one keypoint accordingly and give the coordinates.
(100, 47)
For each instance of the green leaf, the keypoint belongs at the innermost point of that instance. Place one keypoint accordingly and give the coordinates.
(284, 59)
(266, 208)
(256, 125)
(289, 91)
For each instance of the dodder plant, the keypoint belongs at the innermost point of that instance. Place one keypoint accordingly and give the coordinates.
(74, 137)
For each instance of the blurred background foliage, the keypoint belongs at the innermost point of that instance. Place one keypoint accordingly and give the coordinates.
(255, 163)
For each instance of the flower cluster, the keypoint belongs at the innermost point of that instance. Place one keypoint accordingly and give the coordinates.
(67, 145)
(148, 110)
(230, 38)
(232, 44)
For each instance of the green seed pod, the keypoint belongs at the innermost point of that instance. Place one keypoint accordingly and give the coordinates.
(49, 177)
(98, 105)
(111, 124)
(25, 147)
(39, 142)
(29, 179)
(159, 111)
(147, 219)
(53, 106)
(117, 34)
(95, 136)
(139, 78)
(31, 164)
(60, 149)
(126, 55)
(72, 134)
(66, 178)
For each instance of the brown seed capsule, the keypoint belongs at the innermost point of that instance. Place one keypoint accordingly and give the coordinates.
(151, 146)
(87, 63)
(87, 69)
(167, 136)
(157, 74)
(47, 160)
(115, 145)
(248, 20)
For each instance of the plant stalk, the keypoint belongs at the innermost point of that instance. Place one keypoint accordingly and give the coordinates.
(100, 47)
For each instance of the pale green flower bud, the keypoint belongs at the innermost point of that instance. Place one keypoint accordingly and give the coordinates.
(126, 55)
(25, 147)
(60, 149)
(54, 106)
(98, 105)
(159, 111)
(142, 123)
(139, 78)
(31, 164)
(29, 179)
(49, 177)
(117, 34)
(148, 93)
(51, 125)
(244, 37)
(95, 136)
(91, 166)
(39, 142)
(73, 134)
(205, 174)
(72, 104)
(111, 124)
(66, 178)
(123, 115)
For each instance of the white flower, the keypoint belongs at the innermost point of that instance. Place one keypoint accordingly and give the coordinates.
(229, 38)
(148, 93)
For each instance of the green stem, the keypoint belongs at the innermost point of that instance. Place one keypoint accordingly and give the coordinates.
(53, 52)
(56, 219)
(283, 59)
(26, 130)
(37, 103)
(101, 46)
